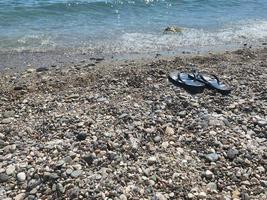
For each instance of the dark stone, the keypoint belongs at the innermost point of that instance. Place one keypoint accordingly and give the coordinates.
(50, 176)
(89, 159)
(32, 184)
(81, 136)
(42, 69)
(231, 154)
(19, 87)
(3, 178)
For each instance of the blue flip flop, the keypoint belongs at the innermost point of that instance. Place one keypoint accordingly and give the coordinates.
(187, 81)
(213, 82)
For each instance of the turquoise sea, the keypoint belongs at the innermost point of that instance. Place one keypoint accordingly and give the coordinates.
(129, 26)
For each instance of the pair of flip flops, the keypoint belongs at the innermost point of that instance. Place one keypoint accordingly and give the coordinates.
(196, 82)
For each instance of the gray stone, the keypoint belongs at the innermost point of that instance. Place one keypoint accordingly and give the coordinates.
(2, 143)
(244, 196)
(50, 176)
(89, 159)
(3, 178)
(152, 160)
(212, 187)
(20, 196)
(123, 197)
(232, 153)
(60, 188)
(76, 173)
(32, 184)
(212, 157)
(208, 174)
(263, 183)
(21, 176)
(157, 139)
(10, 169)
(160, 196)
(6, 120)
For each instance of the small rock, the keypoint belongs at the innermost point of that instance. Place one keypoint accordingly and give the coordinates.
(160, 196)
(157, 139)
(236, 195)
(21, 176)
(263, 183)
(208, 174)
(173, 29)
(74, 192)
(165, 144)
(123, 197)
(18, 87)
(6, 121)
(232, 153)
(245, 196)
(212, 187)
(60, 188)
(169, 131)
(30, 70)
(190, 196)
(60, 163)
(81, 136)
(3, 178)
(10, 169)
(20, 196)
(42, 69)
(212, 157)
(50, 176)
(89, 159)
(202, 195)
(152, 160)
(76, 173)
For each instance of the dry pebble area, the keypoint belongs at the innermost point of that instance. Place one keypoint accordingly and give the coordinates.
(119, 131)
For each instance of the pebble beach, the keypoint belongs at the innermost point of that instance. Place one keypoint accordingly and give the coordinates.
(120, 130)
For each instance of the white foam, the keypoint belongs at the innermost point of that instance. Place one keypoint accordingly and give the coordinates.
(244, 32)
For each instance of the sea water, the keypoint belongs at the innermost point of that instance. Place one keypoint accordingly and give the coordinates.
(129, 26)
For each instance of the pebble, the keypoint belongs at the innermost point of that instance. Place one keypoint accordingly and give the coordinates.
(235, 195)
(42, 69)
(10, 169)
(3, 178)
(232, 153)
(21, 176)
(212, 187)
(81, 136)
(60, 188)
(202, 195)
(160, 196)
(208, 174)
(212, 157)
(169, 131)
(123, 197)
(76, 173)
(20, 196)
(89, 159)
(152, 160)
(157, 139)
